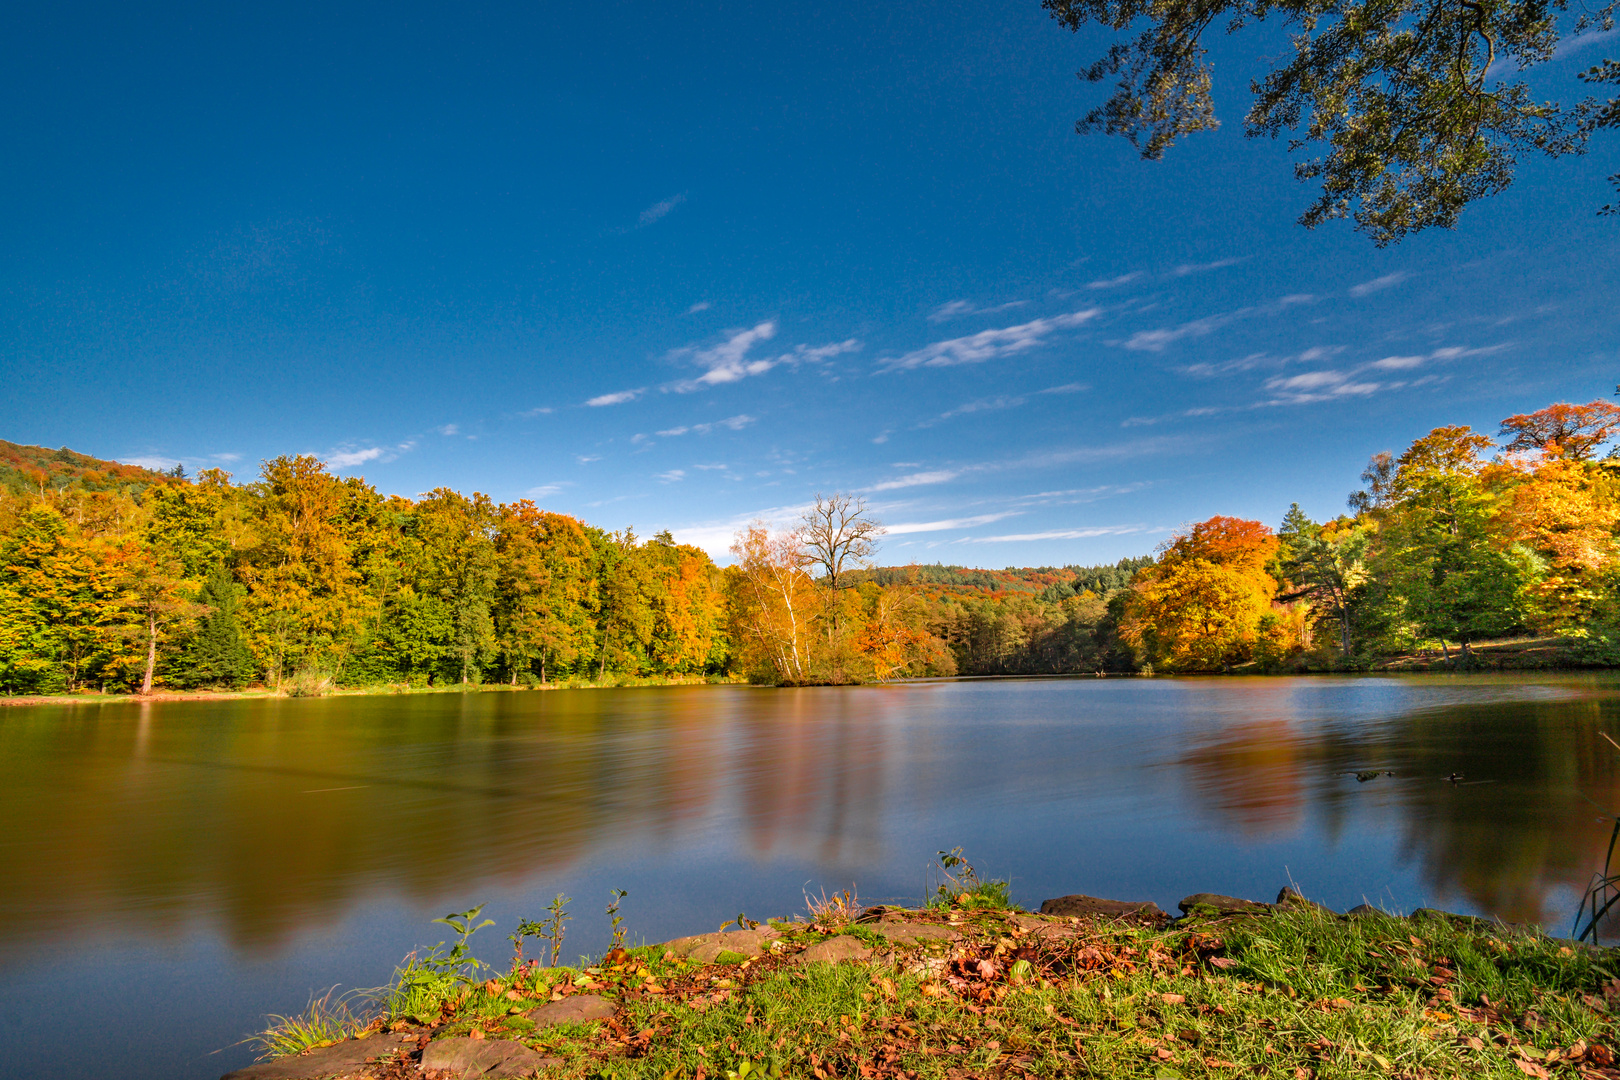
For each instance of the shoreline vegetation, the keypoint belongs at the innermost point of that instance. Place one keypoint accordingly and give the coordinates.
(119, 580)
(968, 985)
(1544, 655)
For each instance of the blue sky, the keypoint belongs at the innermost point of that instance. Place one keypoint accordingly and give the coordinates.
(678, 266)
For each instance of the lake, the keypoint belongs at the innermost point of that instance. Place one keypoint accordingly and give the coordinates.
(174, 871)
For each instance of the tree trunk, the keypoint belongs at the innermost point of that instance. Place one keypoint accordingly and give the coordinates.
(151, 654)
(1344, 630)
(1445, 652)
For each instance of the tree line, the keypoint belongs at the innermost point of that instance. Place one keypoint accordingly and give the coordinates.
(123, 580)
(1459, 539)
(303, 579)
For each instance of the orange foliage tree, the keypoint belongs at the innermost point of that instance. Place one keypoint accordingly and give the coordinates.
(1207, 603)
(1572, 431)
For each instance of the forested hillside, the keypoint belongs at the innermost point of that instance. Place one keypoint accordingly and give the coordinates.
(123, 579)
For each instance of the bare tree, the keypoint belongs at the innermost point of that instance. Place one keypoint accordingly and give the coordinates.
(838, 534)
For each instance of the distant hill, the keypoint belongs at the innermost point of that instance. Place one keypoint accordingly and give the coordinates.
(25, 469)
(1050, 583)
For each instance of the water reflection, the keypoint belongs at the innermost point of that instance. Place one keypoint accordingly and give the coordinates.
(265, 819)
(1518, 834)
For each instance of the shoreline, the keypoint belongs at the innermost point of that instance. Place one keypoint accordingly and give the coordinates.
(1401, 666)
(970, 987)
(91, 697)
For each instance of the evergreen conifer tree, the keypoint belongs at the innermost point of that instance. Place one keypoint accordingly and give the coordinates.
(218, 655)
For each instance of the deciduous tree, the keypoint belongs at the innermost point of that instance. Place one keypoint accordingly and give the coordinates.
(1418, 107)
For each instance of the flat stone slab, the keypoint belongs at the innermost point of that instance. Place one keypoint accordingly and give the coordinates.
(347, 1058)
(910, 933)
(1094, 907)
(706, 948)
(834, 950)
(461, 1058)
(1225, 905)
(574, 1009)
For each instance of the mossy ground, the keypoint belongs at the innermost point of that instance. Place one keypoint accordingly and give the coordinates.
(1297, 995)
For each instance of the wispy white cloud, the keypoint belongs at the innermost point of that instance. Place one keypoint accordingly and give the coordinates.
(950, 523)
(1378, 284)
(730, 423)
(989, 344)
(1065, 534)
(1313, 386)
(1199, 268)
(937, 476)
(617, 398)
(226, 458)
(543, 410)
(544, 490)
(1067, 388)
(348, 456)
(672, 476)
(1116, 282)
(701, 305)
(151, 461)
(449, 429)
(1399, 363)
(1160, 339)
(1314, 355)
(586, 459)
(729, 361)
(660, 210)
(957, 309)
(994, 404)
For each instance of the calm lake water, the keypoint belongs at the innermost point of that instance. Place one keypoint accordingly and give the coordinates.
(173, 872)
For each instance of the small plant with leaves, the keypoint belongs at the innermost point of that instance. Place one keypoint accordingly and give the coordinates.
(552, 927)
(741, 922)
(526, 928)
(960, 884)
(438, 970)
(616, 918)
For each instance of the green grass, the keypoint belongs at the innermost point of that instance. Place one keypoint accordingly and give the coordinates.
(324, 1021)
(1298, 995)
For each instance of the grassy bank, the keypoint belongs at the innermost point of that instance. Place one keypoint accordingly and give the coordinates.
(1297, 993)
(363, 691)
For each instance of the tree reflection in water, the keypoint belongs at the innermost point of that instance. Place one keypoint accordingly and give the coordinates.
(1520, 832)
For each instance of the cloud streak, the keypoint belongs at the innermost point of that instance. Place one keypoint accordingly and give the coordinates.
(729, 361)
(616, 398)
(957, 309)
(660, 210)
(1162, 338)
(730, 423)
(908, 527)
(989, 344)
(1064, 534)
(1378, 284)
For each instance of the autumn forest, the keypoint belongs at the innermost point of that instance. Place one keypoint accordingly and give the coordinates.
(118, 579)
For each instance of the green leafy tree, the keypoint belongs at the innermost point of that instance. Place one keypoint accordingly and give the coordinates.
(1417, 107)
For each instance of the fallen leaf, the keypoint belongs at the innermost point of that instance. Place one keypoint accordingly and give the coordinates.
(1172, 999)
(1530, 1068)
(476, 1033)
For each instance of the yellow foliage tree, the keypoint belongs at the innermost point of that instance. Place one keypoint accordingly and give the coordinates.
(1204, 605)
